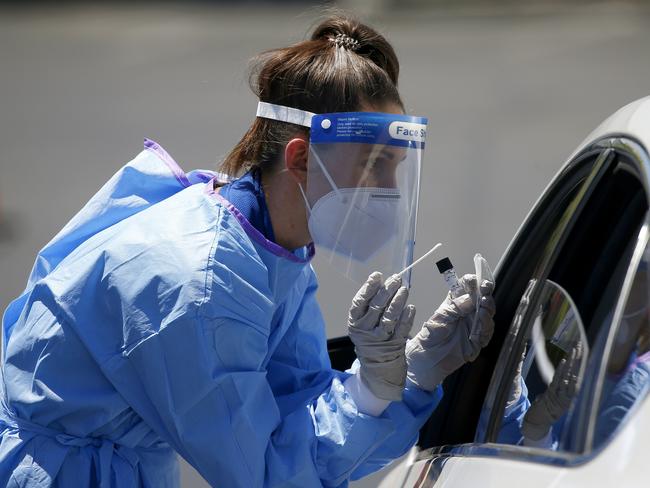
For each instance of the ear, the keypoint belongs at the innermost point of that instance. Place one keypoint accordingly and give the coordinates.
(295, 159)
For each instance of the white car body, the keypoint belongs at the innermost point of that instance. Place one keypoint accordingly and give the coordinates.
(622, 463)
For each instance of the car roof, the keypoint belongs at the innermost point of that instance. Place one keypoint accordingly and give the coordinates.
(632, 120)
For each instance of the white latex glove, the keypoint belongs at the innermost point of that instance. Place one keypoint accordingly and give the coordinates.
(452, 336)
(555, 401)
(379, 324)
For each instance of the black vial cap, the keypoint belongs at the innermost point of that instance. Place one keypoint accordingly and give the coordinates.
(444, 265)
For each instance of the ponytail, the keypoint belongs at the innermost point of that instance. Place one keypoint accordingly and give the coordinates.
(344, 66)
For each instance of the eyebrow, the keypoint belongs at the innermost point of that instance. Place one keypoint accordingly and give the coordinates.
(391, 155)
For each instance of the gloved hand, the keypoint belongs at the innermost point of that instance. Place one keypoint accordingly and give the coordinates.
(555, 401)
(378, 324)
(452, 336)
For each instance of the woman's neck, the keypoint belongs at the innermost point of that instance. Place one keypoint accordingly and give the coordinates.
(287, 209)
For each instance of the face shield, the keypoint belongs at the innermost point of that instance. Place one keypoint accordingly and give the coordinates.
(362, 188)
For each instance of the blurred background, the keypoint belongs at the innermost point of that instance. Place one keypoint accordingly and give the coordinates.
(510, 89)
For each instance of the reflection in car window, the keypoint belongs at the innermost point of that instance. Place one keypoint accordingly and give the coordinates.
(627, 373)
(549, 374)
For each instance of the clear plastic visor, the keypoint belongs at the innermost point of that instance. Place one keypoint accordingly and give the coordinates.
(362, 188)
(363, 205)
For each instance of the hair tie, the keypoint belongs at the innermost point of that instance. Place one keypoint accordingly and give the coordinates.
(345, 41)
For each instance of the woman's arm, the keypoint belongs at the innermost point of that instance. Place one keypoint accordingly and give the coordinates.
(354, 444)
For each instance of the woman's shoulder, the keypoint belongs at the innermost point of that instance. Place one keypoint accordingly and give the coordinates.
(172, 243)
(188, 236)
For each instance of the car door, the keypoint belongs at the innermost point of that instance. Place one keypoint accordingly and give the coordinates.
(572, 266)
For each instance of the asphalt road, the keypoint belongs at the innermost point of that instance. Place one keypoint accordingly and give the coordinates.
(509, 95)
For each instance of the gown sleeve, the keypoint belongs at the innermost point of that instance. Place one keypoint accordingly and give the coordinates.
(349, 444)
(513, 417)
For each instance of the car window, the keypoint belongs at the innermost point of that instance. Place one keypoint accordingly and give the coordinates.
(530, 278)
(545, 376)
(456, 418)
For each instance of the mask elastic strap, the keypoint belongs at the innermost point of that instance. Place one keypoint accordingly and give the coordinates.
(304, 197)
(284, 114)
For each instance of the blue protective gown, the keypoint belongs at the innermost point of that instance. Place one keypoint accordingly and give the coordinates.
(620, 394)
(159, 320)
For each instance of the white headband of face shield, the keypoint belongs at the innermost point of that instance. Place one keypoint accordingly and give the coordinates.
(284, 114)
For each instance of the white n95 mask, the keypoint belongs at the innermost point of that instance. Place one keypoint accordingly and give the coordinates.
(355, 222)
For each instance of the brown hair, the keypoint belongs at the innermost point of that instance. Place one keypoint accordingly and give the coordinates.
(343, 66)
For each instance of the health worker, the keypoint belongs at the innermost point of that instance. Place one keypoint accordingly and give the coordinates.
(176, 313)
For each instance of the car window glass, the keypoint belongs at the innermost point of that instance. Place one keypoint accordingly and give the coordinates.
(560, 318)
(626, 378)
(525, 266)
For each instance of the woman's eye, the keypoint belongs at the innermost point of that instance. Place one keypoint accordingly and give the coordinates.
(380, 166)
